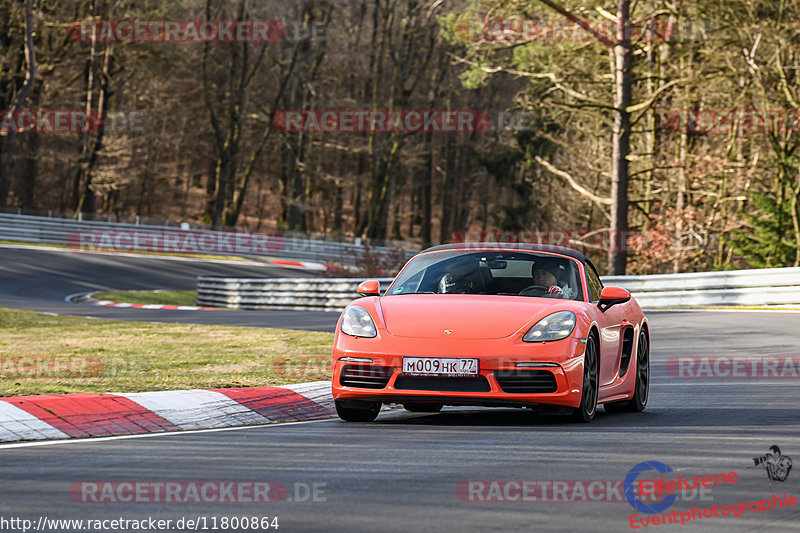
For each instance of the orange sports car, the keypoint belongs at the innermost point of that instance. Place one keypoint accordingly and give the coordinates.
(492, 325)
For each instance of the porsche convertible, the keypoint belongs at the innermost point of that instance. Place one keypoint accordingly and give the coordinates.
(492, 325)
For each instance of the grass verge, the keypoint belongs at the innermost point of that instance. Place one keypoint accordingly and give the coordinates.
(42, 354)
(33, 244)
(149, 297)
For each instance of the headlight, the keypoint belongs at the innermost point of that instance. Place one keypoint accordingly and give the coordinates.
(552, 328)
(357, 322)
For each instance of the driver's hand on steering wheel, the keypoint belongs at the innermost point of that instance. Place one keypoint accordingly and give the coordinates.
(555, 290)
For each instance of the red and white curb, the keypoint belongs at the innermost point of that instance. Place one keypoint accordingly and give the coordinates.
(64, 416)
(88, 299)
(304, 265)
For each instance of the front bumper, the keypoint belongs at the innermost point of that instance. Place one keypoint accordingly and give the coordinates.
(384, 381)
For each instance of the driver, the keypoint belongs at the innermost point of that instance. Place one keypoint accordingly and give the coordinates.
(545, 278)
(461, 277)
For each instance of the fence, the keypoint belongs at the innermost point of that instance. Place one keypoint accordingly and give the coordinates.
(776, 286)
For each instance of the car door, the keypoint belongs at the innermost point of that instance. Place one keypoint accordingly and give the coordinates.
(610, 323)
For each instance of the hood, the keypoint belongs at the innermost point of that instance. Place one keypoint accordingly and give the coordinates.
(467, 316)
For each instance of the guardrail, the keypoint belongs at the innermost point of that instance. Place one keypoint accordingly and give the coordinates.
(331, 294)
(91, 235)
(762, 287)
(775, 286)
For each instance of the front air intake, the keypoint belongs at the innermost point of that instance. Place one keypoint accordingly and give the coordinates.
(365, 376)
(526, 381)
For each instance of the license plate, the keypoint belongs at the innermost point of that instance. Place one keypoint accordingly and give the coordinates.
(440, 366)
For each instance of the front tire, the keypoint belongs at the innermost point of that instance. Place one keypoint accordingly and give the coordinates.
(357, 411)
(641, 391)
(588, 407)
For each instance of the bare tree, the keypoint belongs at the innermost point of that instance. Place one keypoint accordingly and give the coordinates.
(9, 143)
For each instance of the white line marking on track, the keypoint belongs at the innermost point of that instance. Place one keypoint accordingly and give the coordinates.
(71, 297)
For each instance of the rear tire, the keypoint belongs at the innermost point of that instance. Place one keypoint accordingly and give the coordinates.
(588, 407)
(422, 407)
(357, 411)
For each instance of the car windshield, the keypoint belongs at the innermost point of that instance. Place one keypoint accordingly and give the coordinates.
(490, 272)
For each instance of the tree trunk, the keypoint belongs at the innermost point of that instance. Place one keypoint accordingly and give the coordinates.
(30, 169)
(448, 192)
(428, 174)
(86, 204)
(617, 253)
(10, 141)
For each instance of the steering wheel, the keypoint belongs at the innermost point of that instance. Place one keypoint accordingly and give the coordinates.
(541, 288)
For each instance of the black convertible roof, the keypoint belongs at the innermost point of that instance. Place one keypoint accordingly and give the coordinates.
(523, 247)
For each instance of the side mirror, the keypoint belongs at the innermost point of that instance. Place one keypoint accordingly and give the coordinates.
(370, 287)
(612, 296)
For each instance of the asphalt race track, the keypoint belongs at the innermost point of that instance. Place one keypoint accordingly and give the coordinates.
(407, 472)
(39, 280)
